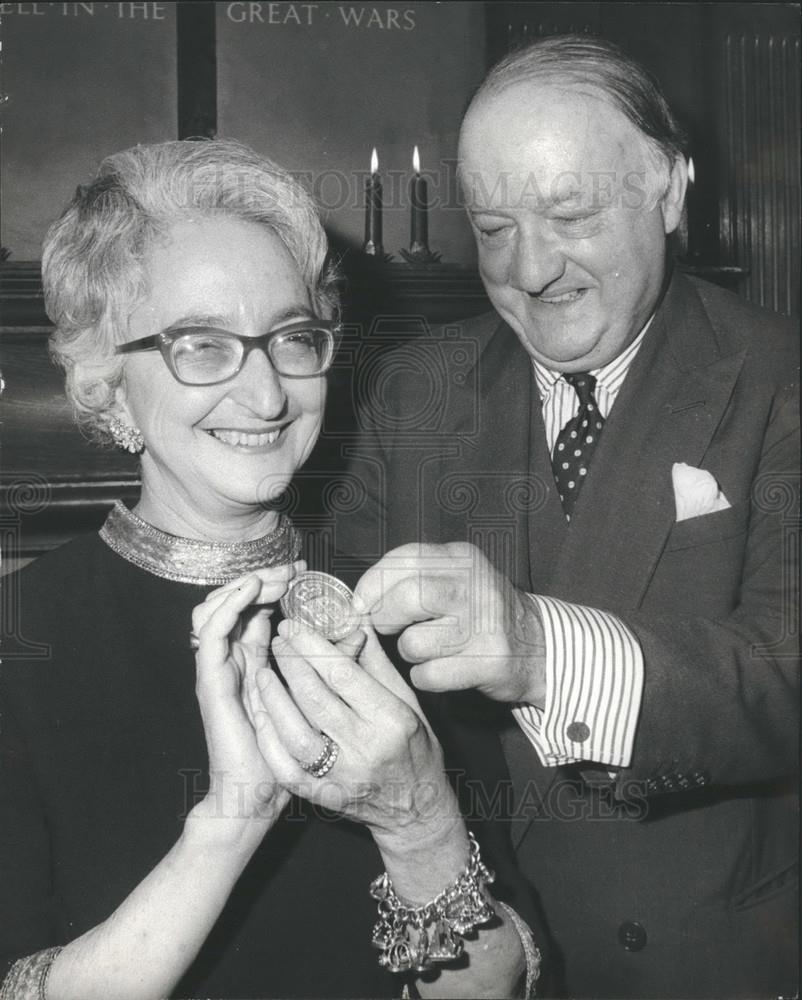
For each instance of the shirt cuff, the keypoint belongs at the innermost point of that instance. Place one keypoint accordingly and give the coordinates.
(594, 686)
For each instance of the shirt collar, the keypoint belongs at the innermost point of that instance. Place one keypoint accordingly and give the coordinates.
(611, 376)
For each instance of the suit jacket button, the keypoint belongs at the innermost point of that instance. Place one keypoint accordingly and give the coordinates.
(632, 936)
(578, 732)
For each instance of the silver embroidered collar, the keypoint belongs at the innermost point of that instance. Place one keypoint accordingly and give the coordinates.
(187, 560)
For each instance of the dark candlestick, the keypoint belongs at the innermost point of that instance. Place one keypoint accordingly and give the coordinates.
(373, 209)
(419, 199)
(419, 252)
(419, 210)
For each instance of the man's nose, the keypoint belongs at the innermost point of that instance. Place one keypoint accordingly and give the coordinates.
(538, 260)
(258, 386)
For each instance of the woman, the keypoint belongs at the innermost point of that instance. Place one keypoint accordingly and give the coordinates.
(150, 841)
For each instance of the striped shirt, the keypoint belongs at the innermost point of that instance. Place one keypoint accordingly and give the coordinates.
(594, 663)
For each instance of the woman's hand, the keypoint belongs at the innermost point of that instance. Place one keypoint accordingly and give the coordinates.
(233, 630)
(389, 770)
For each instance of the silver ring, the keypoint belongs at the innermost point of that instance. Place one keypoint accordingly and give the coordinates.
(194, 641)
(324, 762)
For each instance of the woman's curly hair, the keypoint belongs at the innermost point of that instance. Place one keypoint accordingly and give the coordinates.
(94, 256)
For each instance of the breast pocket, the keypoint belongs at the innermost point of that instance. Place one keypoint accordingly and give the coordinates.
(699, 571)
(708, 528)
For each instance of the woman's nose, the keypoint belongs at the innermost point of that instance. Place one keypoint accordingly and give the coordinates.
(259, 387)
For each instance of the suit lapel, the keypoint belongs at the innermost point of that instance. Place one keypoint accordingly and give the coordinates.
(668, 409)
(486, 491)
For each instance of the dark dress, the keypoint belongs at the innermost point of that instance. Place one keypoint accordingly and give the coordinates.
(102, 754)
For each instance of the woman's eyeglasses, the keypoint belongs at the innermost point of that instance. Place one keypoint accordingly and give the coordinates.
(204, 356)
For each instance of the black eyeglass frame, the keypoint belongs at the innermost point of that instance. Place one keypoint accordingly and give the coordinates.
(164, 341)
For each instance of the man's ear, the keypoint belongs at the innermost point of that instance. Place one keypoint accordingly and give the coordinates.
(672, 201)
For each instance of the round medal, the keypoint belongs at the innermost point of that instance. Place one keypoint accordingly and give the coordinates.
(323, 603)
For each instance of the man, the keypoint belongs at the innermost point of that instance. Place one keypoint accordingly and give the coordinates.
(593, 526)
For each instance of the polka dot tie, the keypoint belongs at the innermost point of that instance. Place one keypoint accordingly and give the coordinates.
(574, 447)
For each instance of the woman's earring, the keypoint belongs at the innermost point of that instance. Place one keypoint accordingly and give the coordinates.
(126, 437)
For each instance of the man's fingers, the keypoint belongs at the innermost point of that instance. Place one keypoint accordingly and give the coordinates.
(407, 564)
(450, 673)
(432, 640)
(422, 597)
(392, 567)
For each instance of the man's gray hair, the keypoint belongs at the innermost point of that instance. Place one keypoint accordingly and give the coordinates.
(93, 261)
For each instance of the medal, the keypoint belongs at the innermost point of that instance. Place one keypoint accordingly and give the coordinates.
(321, 602)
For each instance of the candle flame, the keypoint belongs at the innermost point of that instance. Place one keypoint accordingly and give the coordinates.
(374, 161)
(691, 171)
(416, 160)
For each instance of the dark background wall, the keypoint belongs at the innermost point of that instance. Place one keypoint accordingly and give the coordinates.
(77, 86)
(315, 86)
(322, 95)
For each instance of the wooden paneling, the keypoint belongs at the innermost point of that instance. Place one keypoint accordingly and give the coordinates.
(54, 484)
(760, 205)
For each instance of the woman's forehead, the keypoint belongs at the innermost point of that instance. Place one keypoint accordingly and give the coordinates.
(225, 270)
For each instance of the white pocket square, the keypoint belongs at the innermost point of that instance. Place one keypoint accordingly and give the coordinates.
(696, 492)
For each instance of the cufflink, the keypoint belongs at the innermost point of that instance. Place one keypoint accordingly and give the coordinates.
(577, 732)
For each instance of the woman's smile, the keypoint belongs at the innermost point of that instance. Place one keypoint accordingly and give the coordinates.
(247, 440)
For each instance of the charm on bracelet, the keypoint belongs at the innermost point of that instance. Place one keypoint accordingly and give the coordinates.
(413, 939)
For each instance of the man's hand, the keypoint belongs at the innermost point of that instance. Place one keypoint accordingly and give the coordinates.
(461, 622)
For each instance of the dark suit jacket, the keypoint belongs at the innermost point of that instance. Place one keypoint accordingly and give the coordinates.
(676, 880)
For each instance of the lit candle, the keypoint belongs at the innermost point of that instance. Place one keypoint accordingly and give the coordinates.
(373, 208)
(419, 200)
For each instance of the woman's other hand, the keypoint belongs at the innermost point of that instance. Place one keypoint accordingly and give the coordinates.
(233, 631)
(389, 769)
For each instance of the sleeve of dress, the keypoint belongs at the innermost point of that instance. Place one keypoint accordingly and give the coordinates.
(28, 917)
